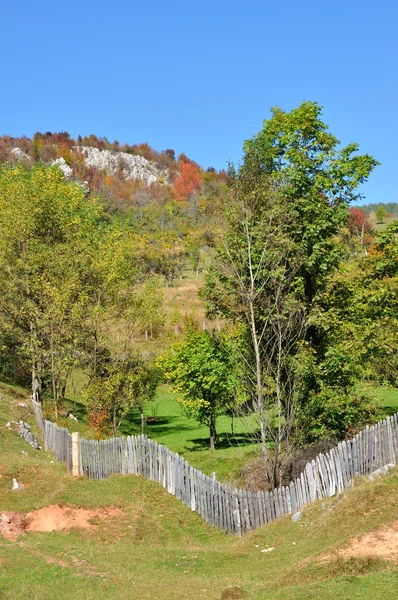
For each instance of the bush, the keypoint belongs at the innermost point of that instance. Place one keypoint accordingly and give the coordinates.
(333, 414)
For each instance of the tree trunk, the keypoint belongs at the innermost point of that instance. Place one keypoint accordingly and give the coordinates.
(142, 420)
(213, 431)
(259, 386)
(114, 426)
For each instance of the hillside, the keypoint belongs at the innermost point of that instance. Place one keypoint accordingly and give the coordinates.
(140, 542)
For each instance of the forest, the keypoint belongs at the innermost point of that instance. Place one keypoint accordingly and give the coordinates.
(266, 294)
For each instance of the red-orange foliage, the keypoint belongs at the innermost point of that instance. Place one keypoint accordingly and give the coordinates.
(358, 221)
(99, 420)
(145, 151)
(187, 182)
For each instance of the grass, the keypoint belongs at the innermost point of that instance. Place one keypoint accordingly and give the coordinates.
(380, 227)
(158, 548)
(167, 424)
(387, 398)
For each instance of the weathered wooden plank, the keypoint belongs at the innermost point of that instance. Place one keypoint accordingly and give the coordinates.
(236, 514)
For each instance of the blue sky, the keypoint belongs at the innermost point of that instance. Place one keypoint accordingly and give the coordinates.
(201, 77)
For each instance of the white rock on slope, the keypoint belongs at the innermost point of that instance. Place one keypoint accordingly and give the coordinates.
(19, 154)
(132, 167)
(63, 165)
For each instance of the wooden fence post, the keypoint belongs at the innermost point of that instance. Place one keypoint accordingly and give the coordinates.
(75, 454)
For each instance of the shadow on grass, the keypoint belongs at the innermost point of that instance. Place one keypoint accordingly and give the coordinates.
(131, 425)
(388, 410)
(78, 409)
(224, 441)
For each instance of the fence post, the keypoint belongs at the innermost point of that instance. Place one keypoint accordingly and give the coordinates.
(75, 454)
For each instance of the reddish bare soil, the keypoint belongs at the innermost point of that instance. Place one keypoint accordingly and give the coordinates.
(12, 524)
(52, 518)
(55, 517)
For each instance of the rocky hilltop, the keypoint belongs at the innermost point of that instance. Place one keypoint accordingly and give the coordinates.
(129, 166)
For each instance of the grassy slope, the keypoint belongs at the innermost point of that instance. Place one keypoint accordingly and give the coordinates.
(379, 227)
(160, 549)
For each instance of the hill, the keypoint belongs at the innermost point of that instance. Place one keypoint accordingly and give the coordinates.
(138, 541)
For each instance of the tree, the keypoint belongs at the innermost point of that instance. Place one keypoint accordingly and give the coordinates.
(287, 205)
(358, 317)
(187, 182)
(316, 180)
(123, 382)
(140, 308)
(360, 227)
(381, 214)
(360, 311)
(46, 224)
(251, 282)
(203, 373)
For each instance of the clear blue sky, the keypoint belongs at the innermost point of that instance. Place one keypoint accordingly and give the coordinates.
(200, 77)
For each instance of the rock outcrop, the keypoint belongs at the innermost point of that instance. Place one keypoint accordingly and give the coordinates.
(129, 165)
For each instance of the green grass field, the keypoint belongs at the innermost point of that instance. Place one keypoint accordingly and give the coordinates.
(158, 548)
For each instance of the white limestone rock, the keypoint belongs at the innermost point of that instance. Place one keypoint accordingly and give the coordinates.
(131, 166)
(19, 154)
(63, 165)
(382, 471)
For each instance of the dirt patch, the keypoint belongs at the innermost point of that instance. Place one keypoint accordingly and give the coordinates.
(382, 543)
(55, 517)
(12, 524)
(232, 593)
(52, 518)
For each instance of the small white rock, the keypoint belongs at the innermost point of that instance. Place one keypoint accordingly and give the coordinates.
(297, 517)
(267, 549)
(16, 486)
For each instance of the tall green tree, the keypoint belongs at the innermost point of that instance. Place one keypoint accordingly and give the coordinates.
(287, 204)
(45, 224)
(381, 214)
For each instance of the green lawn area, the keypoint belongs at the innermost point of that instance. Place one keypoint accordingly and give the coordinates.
(387, 397)
(157, 548)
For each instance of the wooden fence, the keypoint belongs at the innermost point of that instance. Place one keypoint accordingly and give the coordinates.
(229, 509)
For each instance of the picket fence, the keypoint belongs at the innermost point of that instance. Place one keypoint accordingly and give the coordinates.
(229, 509)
